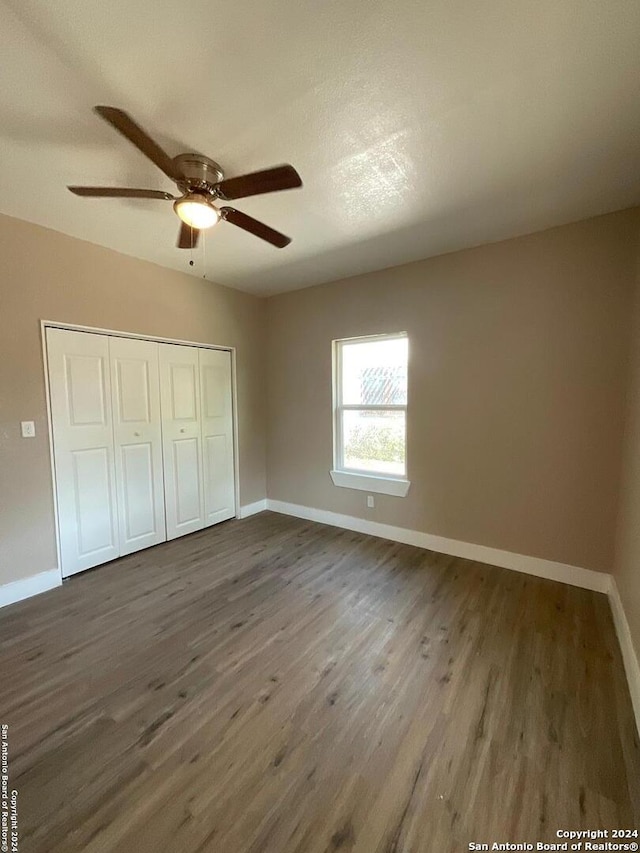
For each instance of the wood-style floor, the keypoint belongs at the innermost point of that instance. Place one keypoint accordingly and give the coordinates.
(279, 686)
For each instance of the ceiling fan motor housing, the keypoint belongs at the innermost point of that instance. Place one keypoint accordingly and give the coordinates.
(200, 173)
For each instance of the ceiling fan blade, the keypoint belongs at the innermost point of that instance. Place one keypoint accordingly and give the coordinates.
(119, 192)
(188, 237)
(125, 125)
(253, 226)
(268, 181)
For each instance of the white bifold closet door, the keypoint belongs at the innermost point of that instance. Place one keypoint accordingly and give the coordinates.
(181, 439)
(80, 393)
(142, 441)
(217, 435)
(197, 435)
(137, 435)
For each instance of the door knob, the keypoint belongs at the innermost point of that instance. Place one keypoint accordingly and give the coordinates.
(137, 434)
(183, 429)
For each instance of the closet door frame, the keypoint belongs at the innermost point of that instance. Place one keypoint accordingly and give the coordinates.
(119, 333)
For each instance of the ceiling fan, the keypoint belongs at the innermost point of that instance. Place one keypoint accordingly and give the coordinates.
(201, 182)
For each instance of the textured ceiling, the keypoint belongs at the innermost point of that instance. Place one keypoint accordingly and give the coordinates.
(418, 127)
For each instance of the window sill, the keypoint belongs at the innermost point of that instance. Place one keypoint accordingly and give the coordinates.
(371, 483)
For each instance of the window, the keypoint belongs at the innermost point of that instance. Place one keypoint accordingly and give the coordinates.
(370, 413)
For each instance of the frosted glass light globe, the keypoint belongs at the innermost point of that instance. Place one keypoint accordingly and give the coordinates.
(196, 211)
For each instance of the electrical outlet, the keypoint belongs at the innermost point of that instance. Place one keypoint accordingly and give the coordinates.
(370, 501)
(28, 429)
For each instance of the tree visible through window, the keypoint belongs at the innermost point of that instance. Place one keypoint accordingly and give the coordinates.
(370, 378)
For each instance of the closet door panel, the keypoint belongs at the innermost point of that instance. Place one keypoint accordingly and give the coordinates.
(182, 439)
(217, 435)
(138, 442)
(80, 395)
(186, 473)
(138, 488)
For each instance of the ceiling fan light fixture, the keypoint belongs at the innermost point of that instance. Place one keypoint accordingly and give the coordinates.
(196, 211)
(201, 181)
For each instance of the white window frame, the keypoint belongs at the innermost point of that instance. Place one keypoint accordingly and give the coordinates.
(350, 478)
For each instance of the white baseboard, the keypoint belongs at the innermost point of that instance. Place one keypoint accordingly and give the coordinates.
(573, 575)
(26, 587)
(252, 509)
(629, 657)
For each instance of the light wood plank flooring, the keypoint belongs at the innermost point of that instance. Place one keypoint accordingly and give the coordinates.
(278, 686)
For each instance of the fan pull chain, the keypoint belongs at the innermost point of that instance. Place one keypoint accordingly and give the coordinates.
(204, 254)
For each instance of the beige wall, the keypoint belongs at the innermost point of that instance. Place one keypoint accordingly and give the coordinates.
(627, 566)
(517, 382)
(519, 369)
(46, 275)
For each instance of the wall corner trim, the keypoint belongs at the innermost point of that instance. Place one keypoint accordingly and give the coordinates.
(18, 590)
(629, 657)
(252, 509)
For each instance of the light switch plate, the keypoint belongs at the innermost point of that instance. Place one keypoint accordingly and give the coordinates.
(370, 501)
(28, 429)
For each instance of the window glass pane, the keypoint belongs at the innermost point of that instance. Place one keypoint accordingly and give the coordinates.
(374, 373)
(374, 441)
